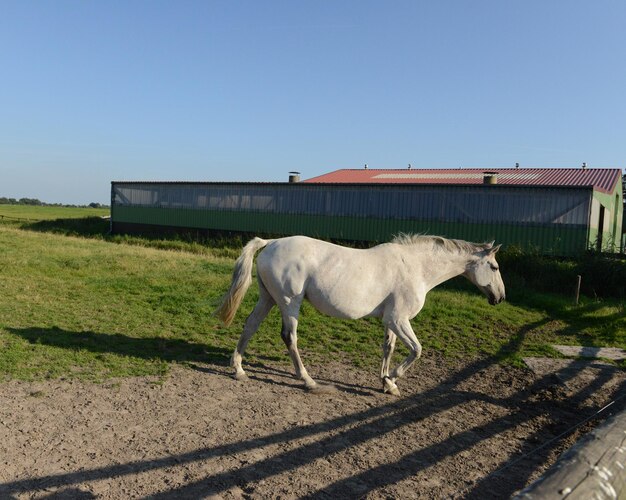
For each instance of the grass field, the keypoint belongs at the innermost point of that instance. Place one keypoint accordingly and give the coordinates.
(39, 213)
(93, 308)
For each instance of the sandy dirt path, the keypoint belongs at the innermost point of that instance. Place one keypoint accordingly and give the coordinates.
(201, 434)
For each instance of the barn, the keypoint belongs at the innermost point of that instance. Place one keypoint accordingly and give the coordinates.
(557, 211)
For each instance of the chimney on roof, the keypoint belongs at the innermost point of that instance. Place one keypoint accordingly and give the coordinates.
(517, 165)
(294, 177)
(409, 166)
(490, 177)
(584, 165)
(366, 166)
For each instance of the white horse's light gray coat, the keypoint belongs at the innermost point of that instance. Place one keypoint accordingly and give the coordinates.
(389, 281)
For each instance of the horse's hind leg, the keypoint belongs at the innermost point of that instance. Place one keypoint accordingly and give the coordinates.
(289, 334)
(258, 314)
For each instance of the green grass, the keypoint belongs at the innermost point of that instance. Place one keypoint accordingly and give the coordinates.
(79, 307)
(89, 223)
(39, 213)
(73, 221)
(95, 308)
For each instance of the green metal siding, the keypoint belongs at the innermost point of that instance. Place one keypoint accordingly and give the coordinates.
(558, 239)
(551, 220)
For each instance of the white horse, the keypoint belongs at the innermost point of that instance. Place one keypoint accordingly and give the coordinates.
(389, 281)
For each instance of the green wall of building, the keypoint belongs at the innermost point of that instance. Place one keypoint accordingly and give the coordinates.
(560, 239)
(612, 234)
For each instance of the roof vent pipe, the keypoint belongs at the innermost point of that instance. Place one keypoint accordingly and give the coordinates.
(584, 165)
(517, 165)
(294, 177)
(490, 177)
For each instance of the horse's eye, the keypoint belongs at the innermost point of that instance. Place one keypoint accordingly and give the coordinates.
(494, 267)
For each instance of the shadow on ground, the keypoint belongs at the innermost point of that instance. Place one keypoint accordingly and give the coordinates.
(79, 226)
(541, 398)
(169, 350)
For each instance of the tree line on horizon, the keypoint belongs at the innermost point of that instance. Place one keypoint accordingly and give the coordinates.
(36, 202)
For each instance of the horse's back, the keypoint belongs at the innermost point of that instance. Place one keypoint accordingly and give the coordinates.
(339, 281)
(295, 253)
(295, 258)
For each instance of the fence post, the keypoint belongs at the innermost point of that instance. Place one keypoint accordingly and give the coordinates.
(595, 467)
(578, 280)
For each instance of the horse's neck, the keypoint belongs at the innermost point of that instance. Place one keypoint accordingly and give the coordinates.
(442, 266)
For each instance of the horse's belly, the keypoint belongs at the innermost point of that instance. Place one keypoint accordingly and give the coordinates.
(338, 305)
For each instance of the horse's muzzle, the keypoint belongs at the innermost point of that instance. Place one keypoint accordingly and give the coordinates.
(493, 300)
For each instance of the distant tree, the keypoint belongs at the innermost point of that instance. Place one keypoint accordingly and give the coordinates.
(95, 205)
(29, 201)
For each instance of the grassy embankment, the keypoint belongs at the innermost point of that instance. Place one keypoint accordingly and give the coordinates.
(83, 307)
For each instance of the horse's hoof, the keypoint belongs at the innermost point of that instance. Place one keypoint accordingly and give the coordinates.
(394, 391)
(241, 376)
(390, 388)
(321, 389)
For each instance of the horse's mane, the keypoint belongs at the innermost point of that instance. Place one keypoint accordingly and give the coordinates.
(438, 242)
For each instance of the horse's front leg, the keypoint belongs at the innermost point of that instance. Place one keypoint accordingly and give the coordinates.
(402, 328)
(389, 344)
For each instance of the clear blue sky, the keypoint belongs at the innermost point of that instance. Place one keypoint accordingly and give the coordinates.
(94, 91)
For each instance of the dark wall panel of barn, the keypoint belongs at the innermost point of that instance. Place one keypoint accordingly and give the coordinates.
(473, 204)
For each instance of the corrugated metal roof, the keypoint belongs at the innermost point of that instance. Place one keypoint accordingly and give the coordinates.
(602, 179)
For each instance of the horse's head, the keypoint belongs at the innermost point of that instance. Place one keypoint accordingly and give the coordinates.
(484, 272)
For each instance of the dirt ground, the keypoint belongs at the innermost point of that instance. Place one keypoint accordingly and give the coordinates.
(457, 431)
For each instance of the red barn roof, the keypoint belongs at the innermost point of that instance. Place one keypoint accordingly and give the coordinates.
(602, 179)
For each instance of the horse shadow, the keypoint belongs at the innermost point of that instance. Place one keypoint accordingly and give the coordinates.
(197, 356)
(262, 372)
(169, 350)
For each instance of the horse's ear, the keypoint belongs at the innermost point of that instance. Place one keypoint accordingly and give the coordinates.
(488, 246)
(494, 250)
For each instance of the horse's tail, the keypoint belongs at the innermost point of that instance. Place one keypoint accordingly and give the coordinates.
(242, 278)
